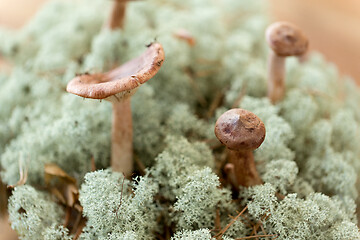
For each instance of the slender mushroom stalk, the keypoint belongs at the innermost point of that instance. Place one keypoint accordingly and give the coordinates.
(241, 132)
(117, 15)
(285, 39)
(117, 86)
(122, 136)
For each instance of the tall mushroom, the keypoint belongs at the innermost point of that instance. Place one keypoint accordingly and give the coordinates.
(117, 86)
(241, 132)
(285, 39)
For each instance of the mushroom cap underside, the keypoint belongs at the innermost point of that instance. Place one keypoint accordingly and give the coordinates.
(286, 39)
(240, 130)
(124, 78)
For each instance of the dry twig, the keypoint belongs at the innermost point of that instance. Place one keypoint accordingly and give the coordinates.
(219, 235)
(217, 220)
(256, 236)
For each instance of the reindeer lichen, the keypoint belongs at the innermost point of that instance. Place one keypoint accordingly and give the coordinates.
(309, 160)
(32, 213)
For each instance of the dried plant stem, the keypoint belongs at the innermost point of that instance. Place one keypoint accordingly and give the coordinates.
(263, 230)
(256, 236)
(247, 221)
(93, 165)
(217, 220)
(259, 223)
(219, 235)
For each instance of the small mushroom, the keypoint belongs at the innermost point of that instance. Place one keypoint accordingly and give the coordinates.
(285, 39)
(241, 132)
(117, 15)
(117, 86)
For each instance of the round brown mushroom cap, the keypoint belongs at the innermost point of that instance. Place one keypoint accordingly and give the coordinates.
(240, 130)
(120, 80)
(286, 39)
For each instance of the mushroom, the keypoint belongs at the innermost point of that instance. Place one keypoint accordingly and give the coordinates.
(117, 15)
(285, 39)
(117, 86)
(241, 132)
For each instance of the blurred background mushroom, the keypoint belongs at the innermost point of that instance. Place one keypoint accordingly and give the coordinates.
(331, 27)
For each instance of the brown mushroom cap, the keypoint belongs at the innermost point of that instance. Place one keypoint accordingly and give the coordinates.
(120, 80)
(286, 39)
(240, 130)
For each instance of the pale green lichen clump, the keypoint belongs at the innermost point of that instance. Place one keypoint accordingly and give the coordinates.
(115, 206)
(32, 213)
(309, 161)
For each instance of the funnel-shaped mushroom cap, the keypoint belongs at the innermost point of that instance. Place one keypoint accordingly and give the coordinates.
(240, 130)
(122, 80)
(286, 39)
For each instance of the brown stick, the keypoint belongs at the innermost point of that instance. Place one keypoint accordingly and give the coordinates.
(219, 235)
(256, 236)
(259, 223)
(217, 220)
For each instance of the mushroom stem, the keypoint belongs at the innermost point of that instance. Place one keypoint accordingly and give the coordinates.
(117, 15)
(284, 39)
(122, 136)
(276, 77)
(244, 168)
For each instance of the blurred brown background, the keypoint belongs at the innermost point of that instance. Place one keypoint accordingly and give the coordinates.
(333, 26)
